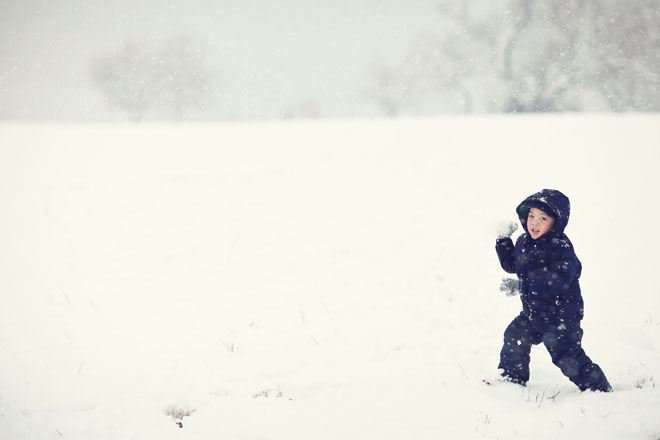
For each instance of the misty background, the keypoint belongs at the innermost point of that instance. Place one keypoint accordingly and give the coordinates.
(204, 60)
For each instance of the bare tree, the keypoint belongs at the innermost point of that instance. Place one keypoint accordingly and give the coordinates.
(625, 41)
(125, 78)
(138, 78)
(539, 56)
(535, 56)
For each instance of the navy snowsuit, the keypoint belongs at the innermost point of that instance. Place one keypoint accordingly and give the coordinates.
(549, 273)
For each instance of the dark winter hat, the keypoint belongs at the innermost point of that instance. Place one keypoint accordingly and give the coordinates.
(542, 206)
(550, 201)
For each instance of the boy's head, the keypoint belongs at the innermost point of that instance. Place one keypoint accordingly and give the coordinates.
(539, 222)
(544, 211)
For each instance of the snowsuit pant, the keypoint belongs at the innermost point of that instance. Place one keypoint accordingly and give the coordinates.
(564, 343)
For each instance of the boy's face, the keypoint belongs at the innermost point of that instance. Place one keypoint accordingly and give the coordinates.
(539, 223)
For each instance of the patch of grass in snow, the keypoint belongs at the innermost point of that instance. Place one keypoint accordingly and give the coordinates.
(271, 392)
(643, 382)
(178, 414)
(233, 348)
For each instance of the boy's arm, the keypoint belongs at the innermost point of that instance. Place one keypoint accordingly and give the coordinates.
(563, 269)
(504, 248)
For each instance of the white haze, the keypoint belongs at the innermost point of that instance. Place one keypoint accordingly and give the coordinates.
(269, 58)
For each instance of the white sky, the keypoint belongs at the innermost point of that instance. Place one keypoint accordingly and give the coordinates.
(269, 55)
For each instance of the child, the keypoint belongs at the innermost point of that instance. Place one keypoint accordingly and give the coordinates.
(548, 271)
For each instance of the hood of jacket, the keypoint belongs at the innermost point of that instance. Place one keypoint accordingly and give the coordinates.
(555, 204)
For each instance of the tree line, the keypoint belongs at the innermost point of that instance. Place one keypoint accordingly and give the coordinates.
(529, 56)
(483, 57)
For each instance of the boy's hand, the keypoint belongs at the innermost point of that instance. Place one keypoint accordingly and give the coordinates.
(506, 229)
(510, 286)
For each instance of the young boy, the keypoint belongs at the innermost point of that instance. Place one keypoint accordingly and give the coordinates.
(548, 271)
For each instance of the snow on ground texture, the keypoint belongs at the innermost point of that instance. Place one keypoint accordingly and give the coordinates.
(326, 280)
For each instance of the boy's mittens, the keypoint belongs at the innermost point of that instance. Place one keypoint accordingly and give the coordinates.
(506, 229)
(510, 286)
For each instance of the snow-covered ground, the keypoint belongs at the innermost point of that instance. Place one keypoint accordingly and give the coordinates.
(316, 280)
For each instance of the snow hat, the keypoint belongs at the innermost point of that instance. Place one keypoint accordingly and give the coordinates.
(538, 204)
(550, 201)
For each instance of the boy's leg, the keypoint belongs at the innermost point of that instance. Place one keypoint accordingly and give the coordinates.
(519, 337)
(564, 343)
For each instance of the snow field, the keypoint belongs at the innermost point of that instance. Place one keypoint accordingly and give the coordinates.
(328, 279)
